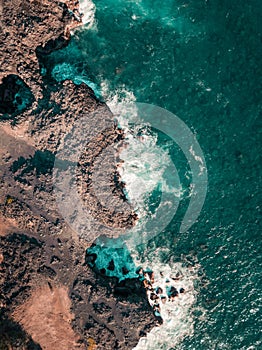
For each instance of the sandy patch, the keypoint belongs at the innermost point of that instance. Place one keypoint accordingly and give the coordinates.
(46, 317)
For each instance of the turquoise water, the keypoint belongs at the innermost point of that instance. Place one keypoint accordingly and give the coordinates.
(200, 60)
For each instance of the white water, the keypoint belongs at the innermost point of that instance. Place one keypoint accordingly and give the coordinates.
(177, 315)
(87, 9)
(142, 170)
(178, 320)
(144, 162)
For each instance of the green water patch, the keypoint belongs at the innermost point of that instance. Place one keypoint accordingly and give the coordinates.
(111, 258)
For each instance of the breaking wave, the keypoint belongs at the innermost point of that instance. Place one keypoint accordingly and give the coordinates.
(143, 170)
(87, 10)
(177, 312)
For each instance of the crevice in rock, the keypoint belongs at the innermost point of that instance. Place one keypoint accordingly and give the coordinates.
(51, 45)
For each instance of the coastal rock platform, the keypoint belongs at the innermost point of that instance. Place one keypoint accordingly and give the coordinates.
(49, 297)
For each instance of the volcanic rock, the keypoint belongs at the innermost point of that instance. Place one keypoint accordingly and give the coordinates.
(50, 298)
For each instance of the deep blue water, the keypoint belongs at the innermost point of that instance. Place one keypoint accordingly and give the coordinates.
(202, 61)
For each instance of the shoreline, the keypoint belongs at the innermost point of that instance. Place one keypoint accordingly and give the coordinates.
(52, 253)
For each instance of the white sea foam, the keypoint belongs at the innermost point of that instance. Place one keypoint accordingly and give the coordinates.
(117, 97)
(177, 314)
(88, 9)
(145, 164)
(143, 167)
(142, 171)
(178, 320)
(199, 160)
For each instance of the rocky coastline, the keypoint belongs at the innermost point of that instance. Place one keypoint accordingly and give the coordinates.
(50, 298)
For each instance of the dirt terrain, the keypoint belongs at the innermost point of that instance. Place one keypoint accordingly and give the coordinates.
(49, 297)
(49, 306)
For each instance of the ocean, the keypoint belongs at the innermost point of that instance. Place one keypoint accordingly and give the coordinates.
(201, 61)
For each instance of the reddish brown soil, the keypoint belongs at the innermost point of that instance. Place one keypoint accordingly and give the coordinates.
(46, 317)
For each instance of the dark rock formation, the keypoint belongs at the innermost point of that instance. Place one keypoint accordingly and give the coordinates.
(28, 25)
(37, 246)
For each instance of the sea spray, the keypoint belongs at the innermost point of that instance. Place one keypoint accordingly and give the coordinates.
(143, 171)
(144, 162)
(216, 43)
(176, 313)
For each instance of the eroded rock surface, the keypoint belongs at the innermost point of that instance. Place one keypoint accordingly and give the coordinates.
(41, 254)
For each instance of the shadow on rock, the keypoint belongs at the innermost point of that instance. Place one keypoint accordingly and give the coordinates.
(12, 336)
